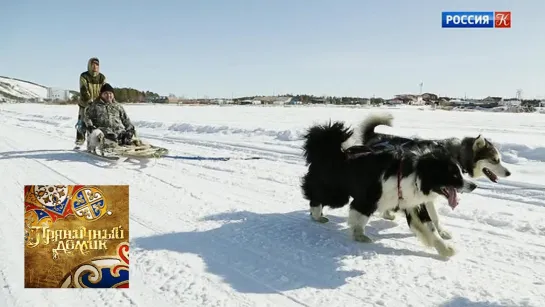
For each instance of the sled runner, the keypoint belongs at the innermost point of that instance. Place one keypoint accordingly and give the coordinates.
(118, 153)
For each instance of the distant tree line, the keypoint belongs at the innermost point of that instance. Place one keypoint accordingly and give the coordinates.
(313, 99)
(531, 102)
(125, 95)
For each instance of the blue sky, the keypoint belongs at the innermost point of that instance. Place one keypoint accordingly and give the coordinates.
(220, 48)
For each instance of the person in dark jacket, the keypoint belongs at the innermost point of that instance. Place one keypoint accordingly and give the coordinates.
(109, 116)
(90, 82)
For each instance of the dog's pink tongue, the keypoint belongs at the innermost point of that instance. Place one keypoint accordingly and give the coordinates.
(453, 198)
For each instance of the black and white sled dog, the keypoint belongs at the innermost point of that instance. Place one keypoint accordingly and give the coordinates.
(378, 181)
(477, 156)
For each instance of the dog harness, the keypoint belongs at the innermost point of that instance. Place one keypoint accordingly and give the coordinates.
(385, 145)
(357, 151)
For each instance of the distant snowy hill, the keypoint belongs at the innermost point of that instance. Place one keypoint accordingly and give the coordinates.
(16, 89)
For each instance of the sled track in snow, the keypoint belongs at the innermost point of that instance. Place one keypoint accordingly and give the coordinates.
(289, 155)
(286, 156)
(236, 149)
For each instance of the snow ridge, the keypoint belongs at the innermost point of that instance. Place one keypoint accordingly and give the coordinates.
(284, 135)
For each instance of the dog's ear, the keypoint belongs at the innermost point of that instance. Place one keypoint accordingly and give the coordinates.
(479, 143)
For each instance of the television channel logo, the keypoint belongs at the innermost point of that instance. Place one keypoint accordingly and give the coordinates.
(476, 19)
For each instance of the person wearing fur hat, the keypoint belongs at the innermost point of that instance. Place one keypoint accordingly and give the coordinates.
(90, 82)
(109, 116)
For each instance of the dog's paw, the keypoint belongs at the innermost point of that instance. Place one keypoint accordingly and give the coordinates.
(389, 215)
(445, 250)
(361, 237)
(322, 219)
(444, 234)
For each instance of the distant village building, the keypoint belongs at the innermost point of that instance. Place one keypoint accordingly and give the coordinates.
(221, 101)
(318, 100)
(395, 101)
(58, 94)
(429, 97)
(491, 99)
(510, 102)
(419, 101)
(275, 100)
(158, 99)
(460, 102)
(295, 101)
(282, 100)
(173, 98)
(416, 100)
(246, 101)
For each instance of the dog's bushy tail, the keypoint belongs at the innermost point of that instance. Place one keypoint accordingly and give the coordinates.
(367, 127)
(323, 143)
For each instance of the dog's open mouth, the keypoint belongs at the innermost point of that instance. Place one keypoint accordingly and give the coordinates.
(451, 195)
(490, 174)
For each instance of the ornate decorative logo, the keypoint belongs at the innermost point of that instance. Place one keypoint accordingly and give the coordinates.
(61, 221)
(52, 198)
(88, 203)
(102, 272)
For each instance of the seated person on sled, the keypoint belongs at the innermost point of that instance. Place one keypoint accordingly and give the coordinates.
(107, 122)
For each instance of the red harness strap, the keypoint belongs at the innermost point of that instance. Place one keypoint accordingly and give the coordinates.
(399, 193)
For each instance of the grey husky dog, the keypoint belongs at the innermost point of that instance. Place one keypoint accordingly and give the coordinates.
(477, 156)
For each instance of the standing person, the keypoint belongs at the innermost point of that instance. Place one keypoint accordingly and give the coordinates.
(90, 82)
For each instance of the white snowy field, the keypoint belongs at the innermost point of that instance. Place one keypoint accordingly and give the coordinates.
(238, 233)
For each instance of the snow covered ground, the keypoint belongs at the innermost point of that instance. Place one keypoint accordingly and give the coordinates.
(237, 233)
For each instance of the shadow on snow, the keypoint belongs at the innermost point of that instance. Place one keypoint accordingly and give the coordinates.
(266, 253)
(62, 155)
(459, 301)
